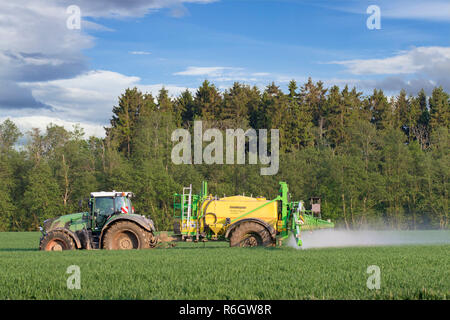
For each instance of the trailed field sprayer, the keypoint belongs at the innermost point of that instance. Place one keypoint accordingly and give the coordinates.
(243, 221)
(111, 222)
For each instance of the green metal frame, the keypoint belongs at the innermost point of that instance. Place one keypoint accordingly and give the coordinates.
(196, 209)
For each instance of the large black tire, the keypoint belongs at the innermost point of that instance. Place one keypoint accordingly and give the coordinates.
(251, 234)
(57, 241)
(126, 235)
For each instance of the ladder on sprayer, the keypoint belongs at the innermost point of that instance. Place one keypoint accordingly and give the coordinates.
(189, 207)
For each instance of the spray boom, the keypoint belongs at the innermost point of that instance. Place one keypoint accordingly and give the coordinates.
(295, 215)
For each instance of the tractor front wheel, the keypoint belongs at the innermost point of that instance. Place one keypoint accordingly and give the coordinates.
(126, 235)
(251, 234)
(57, 241)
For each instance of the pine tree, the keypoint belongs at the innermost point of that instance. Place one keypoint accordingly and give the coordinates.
(9, 134)
(125, 115)
(401, 112)
(299, 121)
(412, 117)
(275, 107)
(439, 109)
(420, 119)
(164, 101)
(184, 106)
(255, 116)
(207, 102)
(381, 109)
(313, 97)
(292, 87)
(336, 117)
(424, 118)
(236, 104)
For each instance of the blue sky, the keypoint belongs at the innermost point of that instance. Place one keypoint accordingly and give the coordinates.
(288, 39)
(49, 73)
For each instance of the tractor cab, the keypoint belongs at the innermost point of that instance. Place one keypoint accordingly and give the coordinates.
(104, 205)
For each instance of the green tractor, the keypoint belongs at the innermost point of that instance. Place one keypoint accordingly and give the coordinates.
(110, 224)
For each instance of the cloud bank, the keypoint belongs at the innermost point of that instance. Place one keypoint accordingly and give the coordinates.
(44, 74)
(412, 70)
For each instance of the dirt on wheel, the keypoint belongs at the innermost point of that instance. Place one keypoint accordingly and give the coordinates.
(251, 234)
(57, 241)
(126, 235)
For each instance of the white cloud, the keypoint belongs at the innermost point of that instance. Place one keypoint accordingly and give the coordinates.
(206, 71)
(260, 74)
(26, 123)
(87, 99)
(88, 96)
(140, 52)
(412, 70)
(174, 90)
(409, 62)
(94, 26)
(395, 65)
(413, 9)
(28, 52)
(44, 73)
(431, 10)
(228, 74)
(36, 45)
(134, 8)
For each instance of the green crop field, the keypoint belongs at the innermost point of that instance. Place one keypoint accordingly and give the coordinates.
(215, 271)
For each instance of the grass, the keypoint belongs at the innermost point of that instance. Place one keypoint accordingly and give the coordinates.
(215, 271)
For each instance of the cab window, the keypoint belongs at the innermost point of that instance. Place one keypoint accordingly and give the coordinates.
(123, 205)
(104, 205)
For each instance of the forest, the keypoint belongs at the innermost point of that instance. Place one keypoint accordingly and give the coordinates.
(376, 161)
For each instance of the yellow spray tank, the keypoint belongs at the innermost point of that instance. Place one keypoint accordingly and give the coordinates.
(218, 213)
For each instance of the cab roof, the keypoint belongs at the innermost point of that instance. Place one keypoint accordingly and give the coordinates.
(112, 194)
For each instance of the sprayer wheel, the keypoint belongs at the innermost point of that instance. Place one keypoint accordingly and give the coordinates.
(251, 234)
(127, 235)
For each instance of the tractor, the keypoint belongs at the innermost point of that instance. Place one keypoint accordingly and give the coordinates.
(110, 223)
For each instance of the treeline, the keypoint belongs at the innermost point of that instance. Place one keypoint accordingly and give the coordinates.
(374, 160)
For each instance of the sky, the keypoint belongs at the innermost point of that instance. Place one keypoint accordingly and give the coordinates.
(51, 71)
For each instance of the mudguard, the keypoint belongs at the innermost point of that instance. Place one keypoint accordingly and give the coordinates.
(269, 228)
(71, 234)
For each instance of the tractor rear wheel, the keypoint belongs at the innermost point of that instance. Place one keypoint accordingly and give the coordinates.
(251, 234)
(125, 235)
(56, 241)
